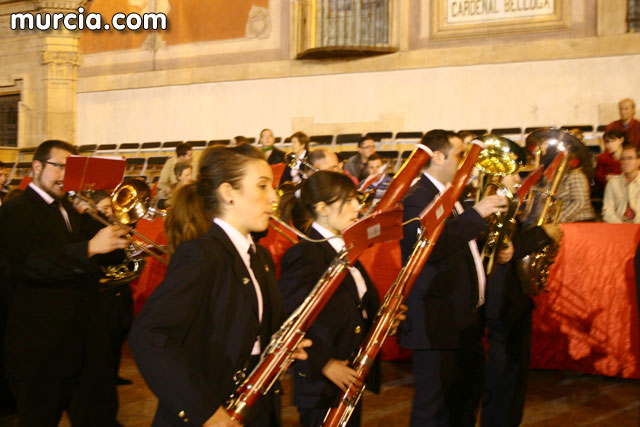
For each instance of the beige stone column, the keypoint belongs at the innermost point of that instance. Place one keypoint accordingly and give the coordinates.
(42, 66)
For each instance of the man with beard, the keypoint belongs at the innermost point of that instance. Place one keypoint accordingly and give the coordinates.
(57, 349)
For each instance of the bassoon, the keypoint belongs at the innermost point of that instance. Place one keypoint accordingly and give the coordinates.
(432, 219)
(384, 224)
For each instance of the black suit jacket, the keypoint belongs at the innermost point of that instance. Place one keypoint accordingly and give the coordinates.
(199, 326)
(275, 156)
(338, 330)
(505, 300)
(442, 303)
(56, 323)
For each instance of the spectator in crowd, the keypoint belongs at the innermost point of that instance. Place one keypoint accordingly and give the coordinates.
(299, 147)
(608, 164)
(168, 180)
(622, 193)
(378, 179)
(324, 159)
(574, 189)
(238, 140)
(357, 164)
(184, 173)
(271, 153)
(3, 181)
(627, 122)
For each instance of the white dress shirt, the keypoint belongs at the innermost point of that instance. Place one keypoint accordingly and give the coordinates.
(473, 246)
(617, 194)
(337, 243)
(242, 244)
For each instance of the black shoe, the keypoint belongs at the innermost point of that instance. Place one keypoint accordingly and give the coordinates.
(123, 381)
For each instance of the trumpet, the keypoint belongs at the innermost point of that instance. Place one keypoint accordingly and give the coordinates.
(130, 202)
(500, 157)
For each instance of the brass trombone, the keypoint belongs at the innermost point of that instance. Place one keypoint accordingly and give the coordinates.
(130, 202)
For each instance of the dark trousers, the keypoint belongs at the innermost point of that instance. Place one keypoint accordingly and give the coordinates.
(119, 307)
(448, 385)
(507, 370)
(313, 417)
(90, 400)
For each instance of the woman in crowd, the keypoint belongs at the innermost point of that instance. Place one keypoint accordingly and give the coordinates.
(608, 164)
(326, 205)
(206, 324)
(574, 190)
(299, 147)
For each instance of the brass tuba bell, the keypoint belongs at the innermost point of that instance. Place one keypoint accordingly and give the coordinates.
(500, 157)
(554, 148)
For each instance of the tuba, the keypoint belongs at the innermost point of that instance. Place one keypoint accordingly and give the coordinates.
(500, 157)
(552, 147)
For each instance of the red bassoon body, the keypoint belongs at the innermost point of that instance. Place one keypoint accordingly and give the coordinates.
(384, 224)
(432, 219)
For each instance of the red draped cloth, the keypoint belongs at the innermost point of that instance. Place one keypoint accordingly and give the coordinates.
(588, 319)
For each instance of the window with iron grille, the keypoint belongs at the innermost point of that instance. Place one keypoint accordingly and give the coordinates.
(633, 16)
(335, 28)
(9, 120)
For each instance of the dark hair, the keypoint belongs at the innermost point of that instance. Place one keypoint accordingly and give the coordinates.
(465, 133)
(2, 166)
(317, 154)
(323, 186)
(43, 152)
(438, 140)
(614, 134)
(180, 167)
(193, 206)
(302, 139)
(239, 139)
(98, 196)
(627, 146)
(183, 148)
(363, 139)
(375, 156)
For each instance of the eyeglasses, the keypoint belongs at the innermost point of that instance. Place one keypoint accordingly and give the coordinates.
(60, 166)
(628, 158)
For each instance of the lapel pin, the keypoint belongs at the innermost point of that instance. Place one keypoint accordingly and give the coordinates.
(266, 268)
(245, 280)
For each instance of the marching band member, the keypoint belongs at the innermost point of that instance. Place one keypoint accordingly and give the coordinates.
(204, 327)
(57, 350)
(508, 319)
(444, 323)
(327, 204)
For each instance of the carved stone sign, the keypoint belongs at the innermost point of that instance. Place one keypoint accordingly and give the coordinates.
(455, 19)
(464, 11)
